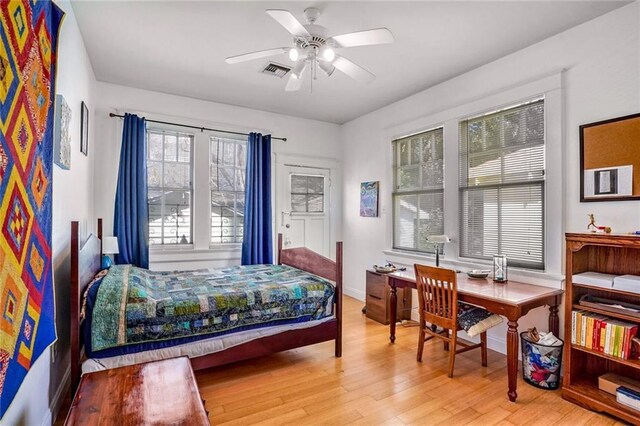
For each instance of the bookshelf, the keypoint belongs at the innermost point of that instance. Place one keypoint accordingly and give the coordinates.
(608, 254)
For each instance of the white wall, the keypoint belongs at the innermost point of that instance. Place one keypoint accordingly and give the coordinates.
(314, 139)
(38, 399)
(602, 80)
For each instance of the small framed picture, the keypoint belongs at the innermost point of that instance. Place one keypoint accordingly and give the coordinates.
(369, 199)
(84, 129)
(61, 134)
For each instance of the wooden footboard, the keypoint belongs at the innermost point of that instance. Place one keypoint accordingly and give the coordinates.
(310, 261)
(86, 261)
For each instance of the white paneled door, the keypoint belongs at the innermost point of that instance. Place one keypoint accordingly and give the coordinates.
(303, 207)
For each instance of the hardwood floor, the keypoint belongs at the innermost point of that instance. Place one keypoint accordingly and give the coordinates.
(378, 383)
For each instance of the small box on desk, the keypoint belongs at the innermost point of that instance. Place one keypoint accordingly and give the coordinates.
(610, 383)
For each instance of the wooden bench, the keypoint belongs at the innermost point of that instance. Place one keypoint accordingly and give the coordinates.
(154, 393)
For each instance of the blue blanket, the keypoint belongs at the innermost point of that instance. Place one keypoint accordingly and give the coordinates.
(134, 309)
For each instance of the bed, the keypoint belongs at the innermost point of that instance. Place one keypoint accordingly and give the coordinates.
(279, 325)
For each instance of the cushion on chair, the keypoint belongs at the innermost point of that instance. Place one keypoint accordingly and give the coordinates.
(475, 320)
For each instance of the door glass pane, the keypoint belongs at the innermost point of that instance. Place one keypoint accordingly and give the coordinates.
(316, 184)
(298, 203)
(298, 184)
(307, 193)
(315, 204)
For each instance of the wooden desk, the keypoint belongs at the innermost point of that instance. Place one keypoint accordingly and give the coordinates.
(155, 393)
(512, 300)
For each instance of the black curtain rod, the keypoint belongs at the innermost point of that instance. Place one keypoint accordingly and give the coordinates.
(202, 129)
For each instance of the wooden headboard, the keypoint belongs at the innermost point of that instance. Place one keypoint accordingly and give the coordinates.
(86, 260)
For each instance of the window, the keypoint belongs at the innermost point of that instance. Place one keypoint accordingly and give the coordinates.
(169, 176)
(418, 197)
(307, 194)
(227, 182)
(502, 173)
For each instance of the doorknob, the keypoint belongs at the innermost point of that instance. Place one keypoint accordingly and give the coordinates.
(287, 226)
(282, 216)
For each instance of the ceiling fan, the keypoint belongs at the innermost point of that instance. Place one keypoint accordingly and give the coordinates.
(313, 48)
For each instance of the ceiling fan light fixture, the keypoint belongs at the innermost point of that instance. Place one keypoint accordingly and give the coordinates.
(328, 54)
(326, 67)
(294, 55)
(298, 70)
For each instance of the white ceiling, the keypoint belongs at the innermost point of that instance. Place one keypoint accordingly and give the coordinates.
(179, 47)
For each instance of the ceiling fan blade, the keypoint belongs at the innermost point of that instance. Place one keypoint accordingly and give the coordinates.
(352, 70)
(287, 20)
(294, 84)
(256, 55)
(364, 38)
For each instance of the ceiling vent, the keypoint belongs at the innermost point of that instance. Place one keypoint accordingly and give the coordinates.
(276, 70)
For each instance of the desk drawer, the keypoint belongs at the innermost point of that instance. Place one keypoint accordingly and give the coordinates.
(376, 286)
(378, 297)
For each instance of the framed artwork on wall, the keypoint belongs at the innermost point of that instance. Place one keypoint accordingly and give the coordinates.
(610, 159)
(84, 129)
(369, 199)
(61, 135)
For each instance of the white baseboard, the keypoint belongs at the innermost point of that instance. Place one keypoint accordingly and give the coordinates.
(47, 419)
(356, 294)
(58, 399)
(497, 344)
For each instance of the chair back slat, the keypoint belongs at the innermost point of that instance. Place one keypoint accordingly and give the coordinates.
(437, 295)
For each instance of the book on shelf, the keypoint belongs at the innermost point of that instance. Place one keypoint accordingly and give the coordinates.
(600, 333)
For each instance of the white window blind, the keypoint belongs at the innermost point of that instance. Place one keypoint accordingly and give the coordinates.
(169, 181)
(502, 172)
(227, 166)
(418, 196)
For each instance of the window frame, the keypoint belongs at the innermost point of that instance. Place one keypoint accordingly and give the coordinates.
(172, 130)
(396, 194)
(541, 182)
(237, 240)
(471, 102)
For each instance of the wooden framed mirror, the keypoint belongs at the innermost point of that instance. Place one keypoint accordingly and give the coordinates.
(610, 160)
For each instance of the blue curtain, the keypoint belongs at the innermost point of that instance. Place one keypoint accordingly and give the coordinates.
(131, 217)
(257, 239)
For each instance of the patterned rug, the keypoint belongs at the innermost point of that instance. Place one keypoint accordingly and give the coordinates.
(28, 40)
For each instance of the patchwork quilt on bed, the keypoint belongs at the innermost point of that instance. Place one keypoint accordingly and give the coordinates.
(134, 305)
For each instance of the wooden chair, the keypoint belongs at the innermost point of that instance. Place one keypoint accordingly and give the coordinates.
(438, 305)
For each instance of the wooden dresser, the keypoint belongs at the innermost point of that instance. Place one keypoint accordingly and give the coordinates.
(377, 298)
(154, 393)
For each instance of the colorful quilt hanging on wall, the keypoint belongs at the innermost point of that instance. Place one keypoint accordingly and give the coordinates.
(28, 42)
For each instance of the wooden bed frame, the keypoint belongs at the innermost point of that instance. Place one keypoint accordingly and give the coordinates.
(86, 261)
